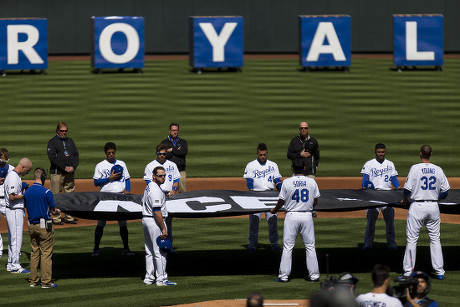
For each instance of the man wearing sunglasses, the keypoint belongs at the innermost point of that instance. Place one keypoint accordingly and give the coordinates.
(305, 147)
(64, 158)
(170, 185)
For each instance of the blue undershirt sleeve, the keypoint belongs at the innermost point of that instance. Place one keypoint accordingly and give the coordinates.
(100, 182)
(250, 183)
(443, 195)
(147, 182)
(365, 179)
(394, 181)
(177, 180)
(278, 183)
(128, 185)
(407, 193)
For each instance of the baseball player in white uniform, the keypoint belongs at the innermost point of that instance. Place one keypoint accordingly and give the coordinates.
(5, 168)
(14, 199)
(299, 195)
(109, 179)
(425, 185)
(262, 175)
(378, 296)
(379, 174)
(170, 185)
(153, 211)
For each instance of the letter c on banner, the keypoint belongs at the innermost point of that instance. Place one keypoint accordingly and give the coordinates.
(132, 38)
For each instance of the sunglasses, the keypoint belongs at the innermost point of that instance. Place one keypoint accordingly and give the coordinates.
(63, 130)
(304, 128)
(161, 153)
(160, 176)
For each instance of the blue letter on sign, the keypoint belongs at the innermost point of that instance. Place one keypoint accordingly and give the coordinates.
(216, 42)
(23, 44)
(118, 42)
(418, 40)
(325, 41)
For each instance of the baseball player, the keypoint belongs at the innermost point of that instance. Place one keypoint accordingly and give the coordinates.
(378, 296)
(425, 185)
(109, 179)
(14, 199)
(379, 174)
(171, 183)
(5, 168)
(153, 211)
(262, 175)
(299, 195)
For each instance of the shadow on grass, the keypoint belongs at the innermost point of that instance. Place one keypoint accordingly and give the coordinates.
(111, 263)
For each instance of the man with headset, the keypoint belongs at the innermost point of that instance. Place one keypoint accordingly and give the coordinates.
(39, 202)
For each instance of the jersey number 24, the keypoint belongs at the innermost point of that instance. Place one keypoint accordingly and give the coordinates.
(300, 195)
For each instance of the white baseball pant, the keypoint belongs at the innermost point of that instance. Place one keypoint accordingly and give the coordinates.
(155, 259)
(15, 219)
(420, 214)
(295, 223)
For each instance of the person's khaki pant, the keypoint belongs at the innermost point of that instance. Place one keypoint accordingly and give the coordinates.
(58, 184)
(42, 243)
(183, 182)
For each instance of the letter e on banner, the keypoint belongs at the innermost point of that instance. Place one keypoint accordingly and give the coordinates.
(325, 41)
(23, 44)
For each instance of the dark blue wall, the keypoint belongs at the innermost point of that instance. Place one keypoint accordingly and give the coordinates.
(270, 26)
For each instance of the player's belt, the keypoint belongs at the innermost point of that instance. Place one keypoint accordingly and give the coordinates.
(2, 196)
(425, 201)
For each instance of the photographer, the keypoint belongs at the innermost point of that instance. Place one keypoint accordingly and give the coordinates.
(336, 292)
(417, 293)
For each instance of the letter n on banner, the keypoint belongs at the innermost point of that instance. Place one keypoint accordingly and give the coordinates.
(216, 41)
(325, 40)
(23, 44)
(418, 40)
(118, 42)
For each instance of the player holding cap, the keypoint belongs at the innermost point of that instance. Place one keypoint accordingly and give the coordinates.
(262, 175)
(299, 195)
(379, 174)
(112, 176)
(425, 185)
(153, 204)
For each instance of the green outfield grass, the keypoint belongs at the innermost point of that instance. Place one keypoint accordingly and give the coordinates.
(225, 115)
(212, 263)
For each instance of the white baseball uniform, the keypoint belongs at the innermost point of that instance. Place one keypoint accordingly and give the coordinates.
(172, 173)
(155, 258)
(263, 177)
(3, 204)
(425, 182)
(299, 193)
(103, 170)
(378, 299)
(380, 174)
(15, 218)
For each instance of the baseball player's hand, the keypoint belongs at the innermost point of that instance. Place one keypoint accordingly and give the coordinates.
(164, 234)
(305, 154)
(114, 176)
(172, 192)
(272, 211)
(2, 180)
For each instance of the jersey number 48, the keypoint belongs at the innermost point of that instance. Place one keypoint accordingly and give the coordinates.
(300, 195)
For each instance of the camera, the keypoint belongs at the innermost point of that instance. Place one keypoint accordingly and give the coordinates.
(402, 283)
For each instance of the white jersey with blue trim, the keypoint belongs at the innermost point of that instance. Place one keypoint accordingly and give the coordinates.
(13, 185)
(426, 181)
(104, 169)
(172, 174)
(299, 193)
(378, 299)
(380, 173)
(154, 198)
(2, 190)
(262, 174)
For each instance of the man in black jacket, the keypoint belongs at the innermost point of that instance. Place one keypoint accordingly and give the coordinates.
(176, 152)
(64, 158)
(306, 148)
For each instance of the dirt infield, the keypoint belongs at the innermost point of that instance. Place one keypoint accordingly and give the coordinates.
(239, 184)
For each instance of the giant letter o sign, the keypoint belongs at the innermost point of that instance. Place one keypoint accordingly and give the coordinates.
(105, 45)
(118, 42)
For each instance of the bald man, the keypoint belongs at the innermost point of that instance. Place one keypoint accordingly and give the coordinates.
(14, 199)
(306, 148)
